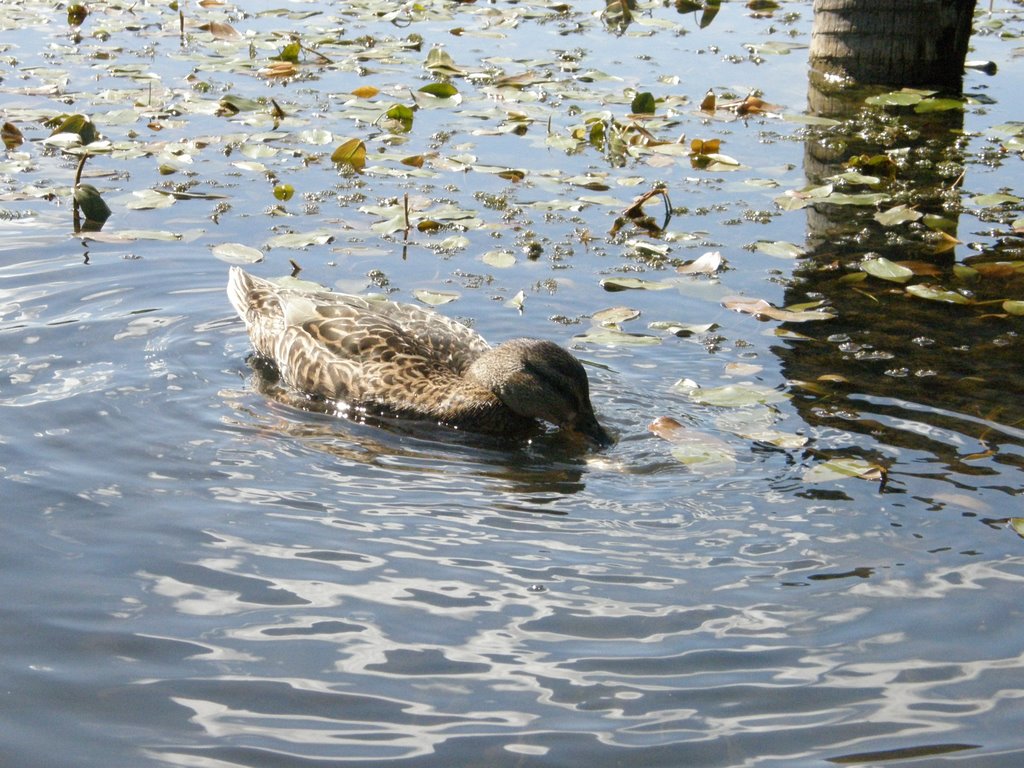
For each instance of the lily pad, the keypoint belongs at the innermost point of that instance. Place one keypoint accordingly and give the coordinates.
(937, 293)
(300, 239)
(611, 336)
(236, 253)
(884, 269)
(615, 315)
(898, 214)
(994, 199)
(501, 259)
(740, 395)
(842, 468)
(435, 298)
(780, 249)
(633, 283)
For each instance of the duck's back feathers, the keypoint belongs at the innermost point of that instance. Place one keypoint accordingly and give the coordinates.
(373, 353)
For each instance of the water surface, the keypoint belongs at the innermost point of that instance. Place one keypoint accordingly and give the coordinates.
(196, 572)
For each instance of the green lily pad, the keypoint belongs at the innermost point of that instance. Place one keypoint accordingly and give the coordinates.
(937, 293)
(937, 105)
(994, 199)
(898, 214)
(884, 269)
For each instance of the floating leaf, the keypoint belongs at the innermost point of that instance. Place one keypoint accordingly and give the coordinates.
(698, 450)
(682, 329)
(898, 214)
(439, 61)
(633, 283)
(435, 298)
(236, 253)
(863, 198)
(401, 114)
(149, 200)
(780, 249)
(937, 293)
(762, 308)
(615, 315)
(905, 98)
(1017, 525)
(280, 69)
(1013, 307)
(884, 269)
(614, 337)
(440, 90)
(222, 30)
(283, 192)
(937, 105)
(300, 239)
(710, 263)
(502, 259)
(741, 395)
(842, 468)
(233, 104)
(992, 200)
(351, 153)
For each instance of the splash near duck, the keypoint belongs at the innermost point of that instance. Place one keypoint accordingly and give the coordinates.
(402, 360)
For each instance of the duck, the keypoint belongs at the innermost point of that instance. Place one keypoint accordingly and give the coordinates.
(371, 355)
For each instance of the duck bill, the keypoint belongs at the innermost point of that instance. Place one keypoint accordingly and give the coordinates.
(588, 426)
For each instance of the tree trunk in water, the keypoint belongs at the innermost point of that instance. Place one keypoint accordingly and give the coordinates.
(892, 42)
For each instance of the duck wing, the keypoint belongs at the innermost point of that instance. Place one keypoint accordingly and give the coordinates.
(355, 349)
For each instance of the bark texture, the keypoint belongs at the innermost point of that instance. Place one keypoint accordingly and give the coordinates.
(892, 42)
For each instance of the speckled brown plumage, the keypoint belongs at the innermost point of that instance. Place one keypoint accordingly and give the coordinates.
(409, 361)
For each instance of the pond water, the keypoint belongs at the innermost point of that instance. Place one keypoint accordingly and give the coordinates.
(820, 565)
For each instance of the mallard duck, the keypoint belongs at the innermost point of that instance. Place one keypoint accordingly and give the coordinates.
(375, 355)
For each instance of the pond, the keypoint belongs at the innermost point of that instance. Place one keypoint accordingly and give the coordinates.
(805, 547)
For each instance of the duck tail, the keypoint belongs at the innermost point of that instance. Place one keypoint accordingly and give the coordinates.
(240, 288)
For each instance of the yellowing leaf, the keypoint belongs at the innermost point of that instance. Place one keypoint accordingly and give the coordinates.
(351, 153)
(365, 91)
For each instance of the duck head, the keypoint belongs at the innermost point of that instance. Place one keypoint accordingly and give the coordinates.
(540, 380)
